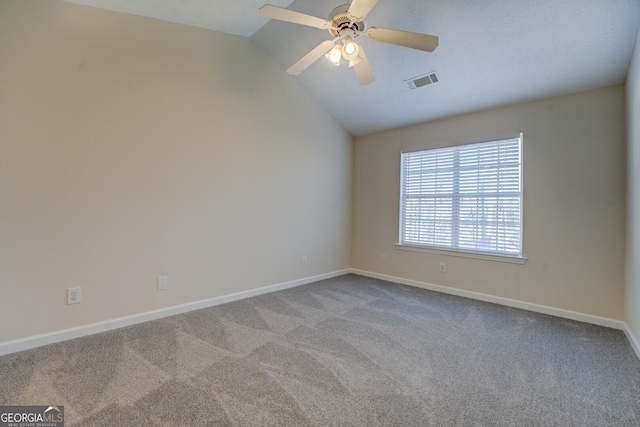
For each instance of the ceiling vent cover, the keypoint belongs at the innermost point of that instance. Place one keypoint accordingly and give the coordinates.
(423, 80)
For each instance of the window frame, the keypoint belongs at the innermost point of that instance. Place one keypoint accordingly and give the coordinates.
(467, 253)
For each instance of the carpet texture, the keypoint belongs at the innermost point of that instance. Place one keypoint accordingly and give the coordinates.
(349, 351)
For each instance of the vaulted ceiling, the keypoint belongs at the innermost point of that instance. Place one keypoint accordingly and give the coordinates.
(491, 53)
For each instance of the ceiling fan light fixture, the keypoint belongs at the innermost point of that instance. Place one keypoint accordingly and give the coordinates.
(347, 22)
(334, 55)
(350, 49)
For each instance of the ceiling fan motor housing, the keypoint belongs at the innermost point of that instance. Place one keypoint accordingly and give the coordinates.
(340, 21)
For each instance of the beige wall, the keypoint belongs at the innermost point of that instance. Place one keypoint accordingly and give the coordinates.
(132, 148)
(574, 204)
(632, 296)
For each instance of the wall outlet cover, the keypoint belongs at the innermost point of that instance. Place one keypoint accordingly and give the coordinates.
(74, 295)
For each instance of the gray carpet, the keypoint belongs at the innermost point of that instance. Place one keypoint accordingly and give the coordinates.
(350, 351)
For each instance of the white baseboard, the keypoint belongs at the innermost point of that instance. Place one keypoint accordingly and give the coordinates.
(635, 343)
(553, 311)
(108, 325)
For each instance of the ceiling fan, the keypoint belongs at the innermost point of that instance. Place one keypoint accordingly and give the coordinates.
(345, 23)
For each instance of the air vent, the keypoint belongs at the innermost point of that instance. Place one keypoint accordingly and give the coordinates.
(423, 80)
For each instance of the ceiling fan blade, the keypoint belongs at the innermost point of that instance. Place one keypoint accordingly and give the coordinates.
(363, 69)
(403, 38)
(359, 9)
(311, 57)
(281, 14)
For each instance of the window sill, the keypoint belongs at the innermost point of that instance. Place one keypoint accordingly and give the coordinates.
(464, 254)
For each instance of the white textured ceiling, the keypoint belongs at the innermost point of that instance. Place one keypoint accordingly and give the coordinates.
(492, 52)
(238, 17)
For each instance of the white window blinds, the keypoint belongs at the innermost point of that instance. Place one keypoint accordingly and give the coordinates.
(466, 197)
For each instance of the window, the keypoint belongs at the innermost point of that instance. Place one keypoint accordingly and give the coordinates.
(465, 198)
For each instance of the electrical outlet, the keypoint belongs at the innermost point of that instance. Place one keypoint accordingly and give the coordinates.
(384, 258)
(443, 267)
(74, 295)
(304, 261)
(163, 283)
